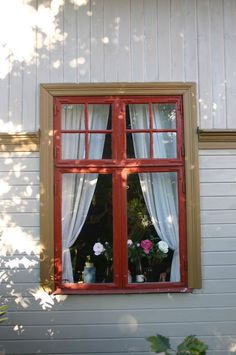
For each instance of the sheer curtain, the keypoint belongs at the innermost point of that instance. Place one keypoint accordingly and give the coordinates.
(78, 189)
(159, 189)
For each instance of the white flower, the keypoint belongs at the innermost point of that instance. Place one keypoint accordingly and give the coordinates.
(129, 242)
(163, 246)
(98, 248)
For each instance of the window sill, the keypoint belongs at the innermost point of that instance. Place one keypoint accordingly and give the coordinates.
(73, 291)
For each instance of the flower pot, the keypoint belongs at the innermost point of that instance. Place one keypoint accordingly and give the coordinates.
(140, 278)
(89, 274)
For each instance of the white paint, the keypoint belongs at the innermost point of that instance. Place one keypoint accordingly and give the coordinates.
(108, 40)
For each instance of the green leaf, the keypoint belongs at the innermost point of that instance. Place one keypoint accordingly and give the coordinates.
(159, 344)
(3, 310)
(192, 346)
(3, 319)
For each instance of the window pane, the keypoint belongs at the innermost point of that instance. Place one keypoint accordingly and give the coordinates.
(138, 117)
(164, 145)
(99, 117)
(138, 145)
(73, 117)
(164, 116)
(152, 194)
(73, 146)
(87, 227)
(96, 141)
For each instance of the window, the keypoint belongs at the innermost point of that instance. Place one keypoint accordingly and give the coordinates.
(118, 213)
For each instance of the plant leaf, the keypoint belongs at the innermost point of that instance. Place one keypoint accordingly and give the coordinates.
(192, 346)
(3, 310)
(159, 344)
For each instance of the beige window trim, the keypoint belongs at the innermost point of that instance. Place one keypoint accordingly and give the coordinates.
(19, 142)
(217, 139)
(188, 91)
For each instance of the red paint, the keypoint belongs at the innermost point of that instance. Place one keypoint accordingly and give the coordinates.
(120, 166)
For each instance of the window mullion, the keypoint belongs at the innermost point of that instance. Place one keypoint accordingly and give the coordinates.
(151, 128)
(86, 130)
(123, 225)
(118, 228)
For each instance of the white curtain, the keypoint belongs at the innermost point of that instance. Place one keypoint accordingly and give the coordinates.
(78, 189)
(159, 189)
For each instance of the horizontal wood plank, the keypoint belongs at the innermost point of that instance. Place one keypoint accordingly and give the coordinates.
(218, 216)
(18, 204)
(219, 244)
(217, 162)
(218, 189)
(220, 230)
(218, 203)
(17, 164)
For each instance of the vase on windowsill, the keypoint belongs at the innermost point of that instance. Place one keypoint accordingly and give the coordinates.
(139, 277)
(89, 273)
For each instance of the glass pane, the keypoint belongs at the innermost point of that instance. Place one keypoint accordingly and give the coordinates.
(164, 116)
(87, 227)
(138, 117)
(164, 145)
(73, 117)
(97, 141)
(99, 117)
(73, 146)
(149, 257)
(138, 145)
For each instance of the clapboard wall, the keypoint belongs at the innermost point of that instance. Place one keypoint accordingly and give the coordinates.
(116, 41)
(124, 41)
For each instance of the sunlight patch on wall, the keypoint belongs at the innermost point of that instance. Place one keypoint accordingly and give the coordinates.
(128, 324)
(14, 239)
(46, 301)
(9, 126)
(4, 187)
(79, 2)
(18, 42)
(77, 61)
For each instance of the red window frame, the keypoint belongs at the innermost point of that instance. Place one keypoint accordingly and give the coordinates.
(119, 166)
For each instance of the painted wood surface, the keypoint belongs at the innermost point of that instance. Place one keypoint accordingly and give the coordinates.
(136, 40)
(36, 318)
(129, 40)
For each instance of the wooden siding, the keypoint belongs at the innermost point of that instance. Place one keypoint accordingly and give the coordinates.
(112, 41)
(121, 41)
(114, 324)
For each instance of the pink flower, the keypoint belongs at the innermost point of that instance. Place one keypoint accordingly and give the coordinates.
(146, 245)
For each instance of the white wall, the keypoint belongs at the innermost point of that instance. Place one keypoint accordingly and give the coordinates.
(152, 40)
(110, 41)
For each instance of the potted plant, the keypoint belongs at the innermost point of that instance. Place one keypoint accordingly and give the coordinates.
(107, 251)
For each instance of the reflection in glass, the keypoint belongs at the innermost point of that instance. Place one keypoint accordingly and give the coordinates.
(164, 145)
(164, 116)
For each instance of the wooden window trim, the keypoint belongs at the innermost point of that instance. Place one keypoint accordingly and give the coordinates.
(19, 142)
(48, 93)
(217, 138)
